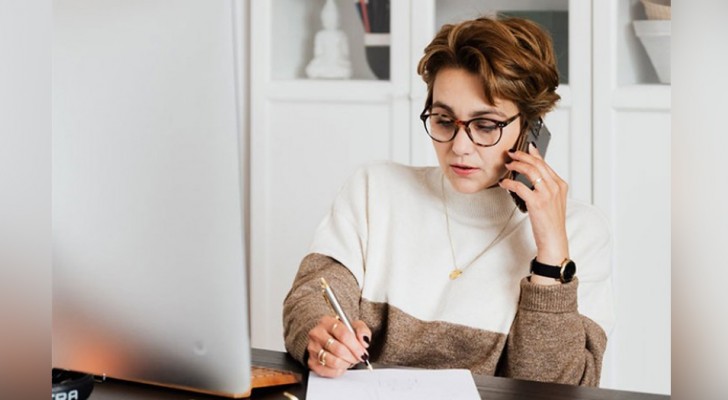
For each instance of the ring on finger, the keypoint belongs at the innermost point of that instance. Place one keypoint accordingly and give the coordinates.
(328, 343)
(537, 181)
(322, 357)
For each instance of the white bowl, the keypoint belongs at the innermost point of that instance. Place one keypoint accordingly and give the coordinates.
(655, 36)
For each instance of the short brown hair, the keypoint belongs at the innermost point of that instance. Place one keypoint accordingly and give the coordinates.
(514, 58)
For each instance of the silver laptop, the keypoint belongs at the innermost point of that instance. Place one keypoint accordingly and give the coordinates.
(149, 278)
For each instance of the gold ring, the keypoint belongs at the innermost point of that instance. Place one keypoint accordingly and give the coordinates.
(333, 328)
(537, 181)
(322, 357)
(328, 343)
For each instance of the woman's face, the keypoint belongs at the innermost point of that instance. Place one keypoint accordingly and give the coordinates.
(469, 167)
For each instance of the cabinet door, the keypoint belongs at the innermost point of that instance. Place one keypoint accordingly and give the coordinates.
(639, 354)
(632, 126)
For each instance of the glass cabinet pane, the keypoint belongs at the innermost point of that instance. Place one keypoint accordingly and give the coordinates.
(553, 15)
(296, 24)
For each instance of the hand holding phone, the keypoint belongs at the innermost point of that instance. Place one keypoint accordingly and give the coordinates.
(540, 136)
(546, 196)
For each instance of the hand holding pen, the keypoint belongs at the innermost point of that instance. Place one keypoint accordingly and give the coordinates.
(340, 314)
(335, 344)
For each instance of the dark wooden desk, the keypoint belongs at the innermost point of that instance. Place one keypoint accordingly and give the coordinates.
(490, 388)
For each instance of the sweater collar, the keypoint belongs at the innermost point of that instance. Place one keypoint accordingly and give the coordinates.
(494, 204)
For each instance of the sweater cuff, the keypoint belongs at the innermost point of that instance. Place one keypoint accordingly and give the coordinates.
(299, 347)
(552, 299)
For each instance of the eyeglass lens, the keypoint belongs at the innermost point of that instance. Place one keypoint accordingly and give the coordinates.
(482, 131)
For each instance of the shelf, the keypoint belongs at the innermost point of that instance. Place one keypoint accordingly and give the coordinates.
(642, 97)
(318, 90)
(633, 64)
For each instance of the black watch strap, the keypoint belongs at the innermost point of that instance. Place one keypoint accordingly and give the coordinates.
(564, 272)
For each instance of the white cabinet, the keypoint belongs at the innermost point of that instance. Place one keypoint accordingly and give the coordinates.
(632, 186)
(308, 136)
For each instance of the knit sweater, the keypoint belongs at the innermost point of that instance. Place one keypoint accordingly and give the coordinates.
(384, 248)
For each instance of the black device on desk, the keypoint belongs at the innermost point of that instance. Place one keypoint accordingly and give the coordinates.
(69, 385)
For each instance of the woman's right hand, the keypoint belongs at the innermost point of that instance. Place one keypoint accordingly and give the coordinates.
(332, 348)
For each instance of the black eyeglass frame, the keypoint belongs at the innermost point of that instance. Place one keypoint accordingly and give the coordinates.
(466, 124)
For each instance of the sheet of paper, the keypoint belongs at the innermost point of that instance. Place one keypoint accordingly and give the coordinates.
(399, 384)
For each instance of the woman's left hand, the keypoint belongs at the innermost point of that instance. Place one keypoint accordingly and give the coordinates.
(546, 203)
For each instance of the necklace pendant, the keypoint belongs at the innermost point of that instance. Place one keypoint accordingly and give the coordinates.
(455, 273)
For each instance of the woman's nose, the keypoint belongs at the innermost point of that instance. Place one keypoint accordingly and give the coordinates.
(461, 144)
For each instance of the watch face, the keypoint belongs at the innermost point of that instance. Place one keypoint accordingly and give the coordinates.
(569, 271)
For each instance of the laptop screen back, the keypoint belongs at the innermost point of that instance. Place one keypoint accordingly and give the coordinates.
(149, 275)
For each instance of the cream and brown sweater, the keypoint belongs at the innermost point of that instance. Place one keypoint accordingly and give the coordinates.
(384, 249)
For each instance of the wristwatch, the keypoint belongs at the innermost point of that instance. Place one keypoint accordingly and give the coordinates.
(564, 272)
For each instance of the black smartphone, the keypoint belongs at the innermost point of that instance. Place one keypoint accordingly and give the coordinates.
(540, 136)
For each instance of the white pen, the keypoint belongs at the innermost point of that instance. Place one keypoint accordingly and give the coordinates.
(334, 303)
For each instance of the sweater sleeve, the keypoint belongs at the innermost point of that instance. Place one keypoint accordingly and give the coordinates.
(305, 305)
(559, 332)
(550, 341)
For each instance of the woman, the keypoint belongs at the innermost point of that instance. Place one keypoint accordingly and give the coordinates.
(434, 265)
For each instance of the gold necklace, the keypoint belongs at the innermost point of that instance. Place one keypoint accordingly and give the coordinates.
(456, 272)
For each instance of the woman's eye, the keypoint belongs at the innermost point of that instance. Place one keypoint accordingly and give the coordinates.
(444, 122)
(485, 126)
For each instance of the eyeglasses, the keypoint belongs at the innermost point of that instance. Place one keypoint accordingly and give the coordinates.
(483, 132)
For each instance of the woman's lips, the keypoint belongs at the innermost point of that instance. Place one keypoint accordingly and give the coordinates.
(463, 170)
